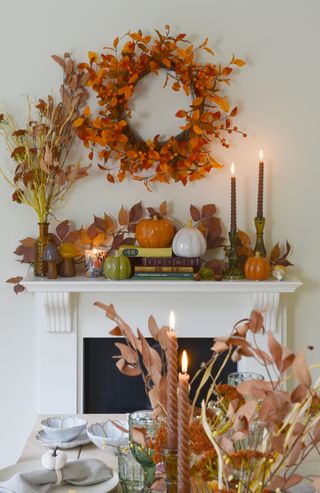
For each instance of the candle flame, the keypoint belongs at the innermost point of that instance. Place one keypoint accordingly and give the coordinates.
(232, 169)
(184, 362)
(172, 321)
(261, 155)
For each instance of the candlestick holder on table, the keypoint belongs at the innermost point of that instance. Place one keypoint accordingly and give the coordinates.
(234, 272)
(170, 461)
(259, 246)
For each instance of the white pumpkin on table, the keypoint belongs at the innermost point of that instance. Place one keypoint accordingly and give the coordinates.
(54, 460)
(189, 242)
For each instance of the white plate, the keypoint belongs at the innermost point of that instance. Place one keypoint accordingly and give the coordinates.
(34, 465)
(43, 438)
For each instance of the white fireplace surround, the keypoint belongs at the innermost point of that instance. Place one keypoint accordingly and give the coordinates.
(60, 330)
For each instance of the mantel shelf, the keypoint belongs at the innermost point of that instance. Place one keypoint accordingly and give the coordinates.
(81, 284)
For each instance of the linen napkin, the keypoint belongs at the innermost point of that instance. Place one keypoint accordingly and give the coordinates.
(77, 473)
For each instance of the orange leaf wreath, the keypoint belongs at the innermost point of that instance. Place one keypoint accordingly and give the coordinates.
(114, 75)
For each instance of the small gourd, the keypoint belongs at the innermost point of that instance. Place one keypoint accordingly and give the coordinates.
(257, 268)
(189, 242)
(117, 267)
(278, 272)
(154, 233)
(54, 460)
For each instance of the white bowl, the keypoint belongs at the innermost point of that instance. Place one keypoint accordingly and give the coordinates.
(107, 434)
(63, 428)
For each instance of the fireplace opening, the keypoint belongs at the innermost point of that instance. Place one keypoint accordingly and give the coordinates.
(106, 390)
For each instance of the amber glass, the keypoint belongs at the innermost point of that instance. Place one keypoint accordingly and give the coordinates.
(40, 266)
(170, 461)
(259, 247)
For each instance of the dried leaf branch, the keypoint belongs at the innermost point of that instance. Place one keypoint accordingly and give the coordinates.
(41, 175)
(139, 358)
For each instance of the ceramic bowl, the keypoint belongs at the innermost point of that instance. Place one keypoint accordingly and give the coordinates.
(63, 428)
(108, 434)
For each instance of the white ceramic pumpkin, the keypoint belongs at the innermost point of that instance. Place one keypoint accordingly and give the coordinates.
(54, 460)
(189, 242)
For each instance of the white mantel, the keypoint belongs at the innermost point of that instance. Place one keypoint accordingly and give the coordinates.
(59, 340)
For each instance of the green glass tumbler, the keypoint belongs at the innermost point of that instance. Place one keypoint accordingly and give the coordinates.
(142, 430)
(131, 474)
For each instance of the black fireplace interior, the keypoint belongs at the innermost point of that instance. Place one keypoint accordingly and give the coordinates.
(106, 390)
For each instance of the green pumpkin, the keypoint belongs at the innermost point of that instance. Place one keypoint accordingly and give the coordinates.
(117, 268)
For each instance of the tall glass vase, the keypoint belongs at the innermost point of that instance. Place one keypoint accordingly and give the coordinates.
(40, 266)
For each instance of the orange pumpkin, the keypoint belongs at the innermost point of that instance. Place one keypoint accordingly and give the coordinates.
(257, 268)
(154, 233)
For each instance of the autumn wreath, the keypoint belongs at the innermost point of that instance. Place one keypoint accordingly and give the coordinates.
(114, 75)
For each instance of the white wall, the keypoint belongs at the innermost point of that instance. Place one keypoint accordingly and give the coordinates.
(277, 92)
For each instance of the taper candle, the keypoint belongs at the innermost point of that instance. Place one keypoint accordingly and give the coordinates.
(172, 387)
(260, 187)
(183, 428)
(233, 224)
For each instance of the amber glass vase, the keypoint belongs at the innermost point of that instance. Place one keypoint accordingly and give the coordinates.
(40, 266)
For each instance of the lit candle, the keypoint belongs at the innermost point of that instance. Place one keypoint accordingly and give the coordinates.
(233, 225)
(94, 261)
(260, 187)
(172, 387)
(183, 428)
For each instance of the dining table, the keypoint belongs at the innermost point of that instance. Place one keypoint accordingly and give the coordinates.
(33, 449)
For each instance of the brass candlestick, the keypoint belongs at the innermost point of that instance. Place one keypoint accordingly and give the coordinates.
(234, 272)
(170, 461)
(259, 247)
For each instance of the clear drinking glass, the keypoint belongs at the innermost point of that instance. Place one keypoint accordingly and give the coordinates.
(236, 378)
(142, 429)
(131, 474)
(254, 438)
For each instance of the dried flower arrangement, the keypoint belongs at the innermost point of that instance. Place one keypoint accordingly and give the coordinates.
(248, 439)
(114, 75)
(40, 151)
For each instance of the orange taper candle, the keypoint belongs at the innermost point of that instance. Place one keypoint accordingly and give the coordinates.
(183, 428)
(172, 387)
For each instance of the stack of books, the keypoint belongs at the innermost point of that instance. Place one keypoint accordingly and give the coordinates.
(159, 263)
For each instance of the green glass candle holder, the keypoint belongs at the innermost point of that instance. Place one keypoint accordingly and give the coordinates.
(234, 272)
(259, 246)
(170, 461)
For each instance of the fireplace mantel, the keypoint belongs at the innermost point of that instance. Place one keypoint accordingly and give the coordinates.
(58, 296)
(58, 336)
(81, 284)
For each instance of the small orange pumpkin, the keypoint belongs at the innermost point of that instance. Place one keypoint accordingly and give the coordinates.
(257, 268)
(155, 233)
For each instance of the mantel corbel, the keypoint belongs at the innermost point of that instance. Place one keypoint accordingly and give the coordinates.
(58, 311)
(267, 303)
